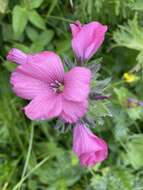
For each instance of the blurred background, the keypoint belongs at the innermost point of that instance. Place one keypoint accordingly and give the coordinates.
(33, 155)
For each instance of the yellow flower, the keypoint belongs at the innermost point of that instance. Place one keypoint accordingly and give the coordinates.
(128, 77)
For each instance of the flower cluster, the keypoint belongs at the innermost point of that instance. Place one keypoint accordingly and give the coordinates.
(40, 78)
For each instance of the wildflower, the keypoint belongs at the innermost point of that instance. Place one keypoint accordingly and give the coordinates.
(17, 56)
(89, 148)
(41, 79)
(129, 78)
(87, 38)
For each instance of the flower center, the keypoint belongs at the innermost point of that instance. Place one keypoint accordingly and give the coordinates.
(57, 86)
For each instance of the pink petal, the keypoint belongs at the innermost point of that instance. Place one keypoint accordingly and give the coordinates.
(45, 66)
(89, 148)
(27, 87)
(73, 111)
(88, 159)
(97, 42)
(75, 28)
(85, 140)
(17, 56)
(89, 34)
(76, 84)
(44, 107)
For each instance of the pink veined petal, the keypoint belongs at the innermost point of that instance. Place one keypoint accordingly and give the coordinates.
(45, 66)
(89, 148)
(98, 40)
(44, 107)
(77, 84)
(75, 28)
(84, 144)
(27, 87)
(85, 141)
(73, 111)
(85, 37)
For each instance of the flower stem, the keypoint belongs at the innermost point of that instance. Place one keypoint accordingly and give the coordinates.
(32, 171)
(28, 153)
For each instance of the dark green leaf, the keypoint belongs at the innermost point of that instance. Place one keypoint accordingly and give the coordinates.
(32, 34)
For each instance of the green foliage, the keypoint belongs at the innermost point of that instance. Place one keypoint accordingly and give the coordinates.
(34, 4)
(115, 178)
(33, 156)
(99, 110)
(19, 20)
(36, 19)
(135, 150)
(130, 35)
(137, 5)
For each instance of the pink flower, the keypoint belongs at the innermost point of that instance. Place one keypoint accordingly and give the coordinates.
(87, 38)
(52, 92)
(89, 148)
(17, 56)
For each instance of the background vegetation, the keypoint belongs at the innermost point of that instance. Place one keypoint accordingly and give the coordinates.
(33, 155)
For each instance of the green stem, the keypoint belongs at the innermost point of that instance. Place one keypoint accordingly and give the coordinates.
(60, 18)
(115, 84)
(29, 153)
(32, 171)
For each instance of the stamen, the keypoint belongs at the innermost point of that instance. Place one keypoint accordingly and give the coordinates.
(61, 88)
(57, 82)
(57, 86)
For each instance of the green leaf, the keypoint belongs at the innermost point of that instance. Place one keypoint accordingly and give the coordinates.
(9, 66)
(135, 113)
(137, 5)
(32, 34)
(19, 20)
(35, 3)
(52, 6)
(36, 47)
(35, 18)
(7, 32)
(121, 124)
(130, 35)
(99, 86)
(113, 178)
(43, 39)
(99, 110)
(135, 150)
(122, 95)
